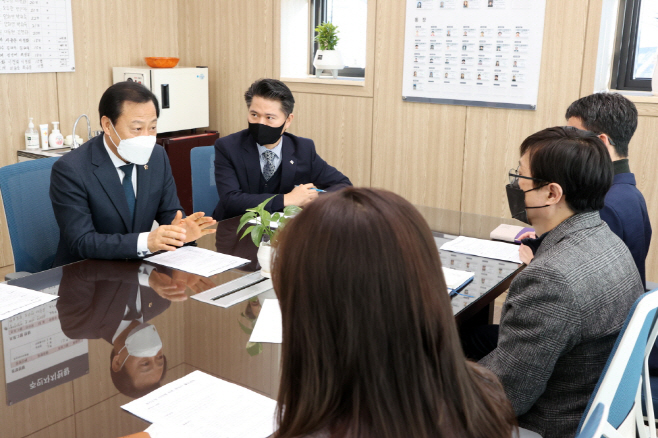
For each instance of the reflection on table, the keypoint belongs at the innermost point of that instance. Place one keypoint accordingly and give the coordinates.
(103, 302)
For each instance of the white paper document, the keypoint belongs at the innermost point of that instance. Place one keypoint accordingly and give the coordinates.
(484, 248)
(268, 325)
(197, 261)
(15, 300)
(205, 406)
(456, 278)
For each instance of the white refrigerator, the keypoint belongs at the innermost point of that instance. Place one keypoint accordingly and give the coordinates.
(182, 93)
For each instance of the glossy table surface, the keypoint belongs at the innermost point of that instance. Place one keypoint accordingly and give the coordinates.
(56, 358)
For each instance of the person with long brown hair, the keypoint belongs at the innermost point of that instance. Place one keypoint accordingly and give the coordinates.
(370, 345)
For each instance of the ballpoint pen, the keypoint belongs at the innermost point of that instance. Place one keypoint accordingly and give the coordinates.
(317, 190)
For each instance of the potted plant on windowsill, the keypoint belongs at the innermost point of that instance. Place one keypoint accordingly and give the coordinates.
(327, 57)
(262, 228)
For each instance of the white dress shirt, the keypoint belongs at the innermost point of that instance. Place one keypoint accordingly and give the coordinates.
(142, 240)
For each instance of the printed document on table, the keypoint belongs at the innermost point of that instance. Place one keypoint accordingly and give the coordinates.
(15, 300)
(268, 325)
(197, 261)
(484, 248)
(205, 406)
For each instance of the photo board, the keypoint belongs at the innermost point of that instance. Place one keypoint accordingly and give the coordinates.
(473, 52)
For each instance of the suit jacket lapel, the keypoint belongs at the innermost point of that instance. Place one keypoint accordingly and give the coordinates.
(109, 179)
(251, 161)
(288, 166)
(143, 189)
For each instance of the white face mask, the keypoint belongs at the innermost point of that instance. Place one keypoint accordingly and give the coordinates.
(142, 341)
(135, 150)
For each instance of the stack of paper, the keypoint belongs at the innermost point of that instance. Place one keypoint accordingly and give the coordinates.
(197, 261)
(484, 248)
(456, 280)
(200, 405)
(15, 300)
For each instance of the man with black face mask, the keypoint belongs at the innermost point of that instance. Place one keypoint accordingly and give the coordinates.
(265, 160)
(563, 312)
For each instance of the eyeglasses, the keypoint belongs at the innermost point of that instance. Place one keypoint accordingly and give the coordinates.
(514, 177)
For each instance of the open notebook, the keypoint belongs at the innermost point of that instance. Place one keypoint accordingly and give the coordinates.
(456, 280)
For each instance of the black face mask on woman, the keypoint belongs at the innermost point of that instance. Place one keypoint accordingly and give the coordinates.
(516, 201)
(264, 134)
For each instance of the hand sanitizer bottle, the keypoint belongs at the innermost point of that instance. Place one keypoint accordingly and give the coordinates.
(31, 137)
(56, 140)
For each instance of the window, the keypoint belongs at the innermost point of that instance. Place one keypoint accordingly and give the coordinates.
(351, 18)
(636, 45)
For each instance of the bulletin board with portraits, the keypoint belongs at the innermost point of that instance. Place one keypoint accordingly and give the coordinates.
(473, 52)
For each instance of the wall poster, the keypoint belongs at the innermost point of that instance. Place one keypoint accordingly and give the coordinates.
(473, 52)
(36, 36)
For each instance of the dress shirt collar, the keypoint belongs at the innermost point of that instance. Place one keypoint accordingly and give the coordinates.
(118, 162)
(276, 149)
(621, 166)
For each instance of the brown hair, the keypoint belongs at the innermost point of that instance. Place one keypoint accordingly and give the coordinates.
(370, 345)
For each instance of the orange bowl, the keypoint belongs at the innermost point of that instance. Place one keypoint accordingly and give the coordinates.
(160, 62)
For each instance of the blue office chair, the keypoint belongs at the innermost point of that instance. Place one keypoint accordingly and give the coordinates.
(593, 427)
(33, 230)
(625, 381)
(204, 189)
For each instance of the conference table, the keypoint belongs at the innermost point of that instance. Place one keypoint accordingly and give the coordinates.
(56, 357)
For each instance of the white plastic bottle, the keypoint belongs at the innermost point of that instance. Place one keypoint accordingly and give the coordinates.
(56, 140)
(31, 137)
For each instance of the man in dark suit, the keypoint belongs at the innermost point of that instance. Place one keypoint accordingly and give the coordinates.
(563, 312)
(614, 119)
(264, 160)
(108, 300)
(107, 193)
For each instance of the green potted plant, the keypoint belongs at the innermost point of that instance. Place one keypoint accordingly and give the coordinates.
(263, 228)
(327, 57)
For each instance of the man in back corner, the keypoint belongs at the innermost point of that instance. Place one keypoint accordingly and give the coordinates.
(107, 193)
(614, 119)
(265, 160)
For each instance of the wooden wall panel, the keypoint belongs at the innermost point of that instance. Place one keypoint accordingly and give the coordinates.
(643, 159)
(107, 34)
(417, 149)
(234, 39)
(494, 135)
(341, 128)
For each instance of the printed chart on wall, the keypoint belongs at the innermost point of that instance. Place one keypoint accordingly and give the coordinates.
(36, 36)
(473, 52)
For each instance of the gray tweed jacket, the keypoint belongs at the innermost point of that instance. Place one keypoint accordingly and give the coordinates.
(561, 318)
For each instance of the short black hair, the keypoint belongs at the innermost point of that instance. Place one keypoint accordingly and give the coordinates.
(271, 89)
(607, 113)
(112, 100)
(124, 384)
(576, 160)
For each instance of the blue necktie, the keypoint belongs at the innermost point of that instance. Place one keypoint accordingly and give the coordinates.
(268, 168)
(128, 189)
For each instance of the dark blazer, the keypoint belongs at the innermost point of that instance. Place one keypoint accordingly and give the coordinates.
(93, 296)
(562, 315)
(91, 208)
(625, 212)
(238, 173)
